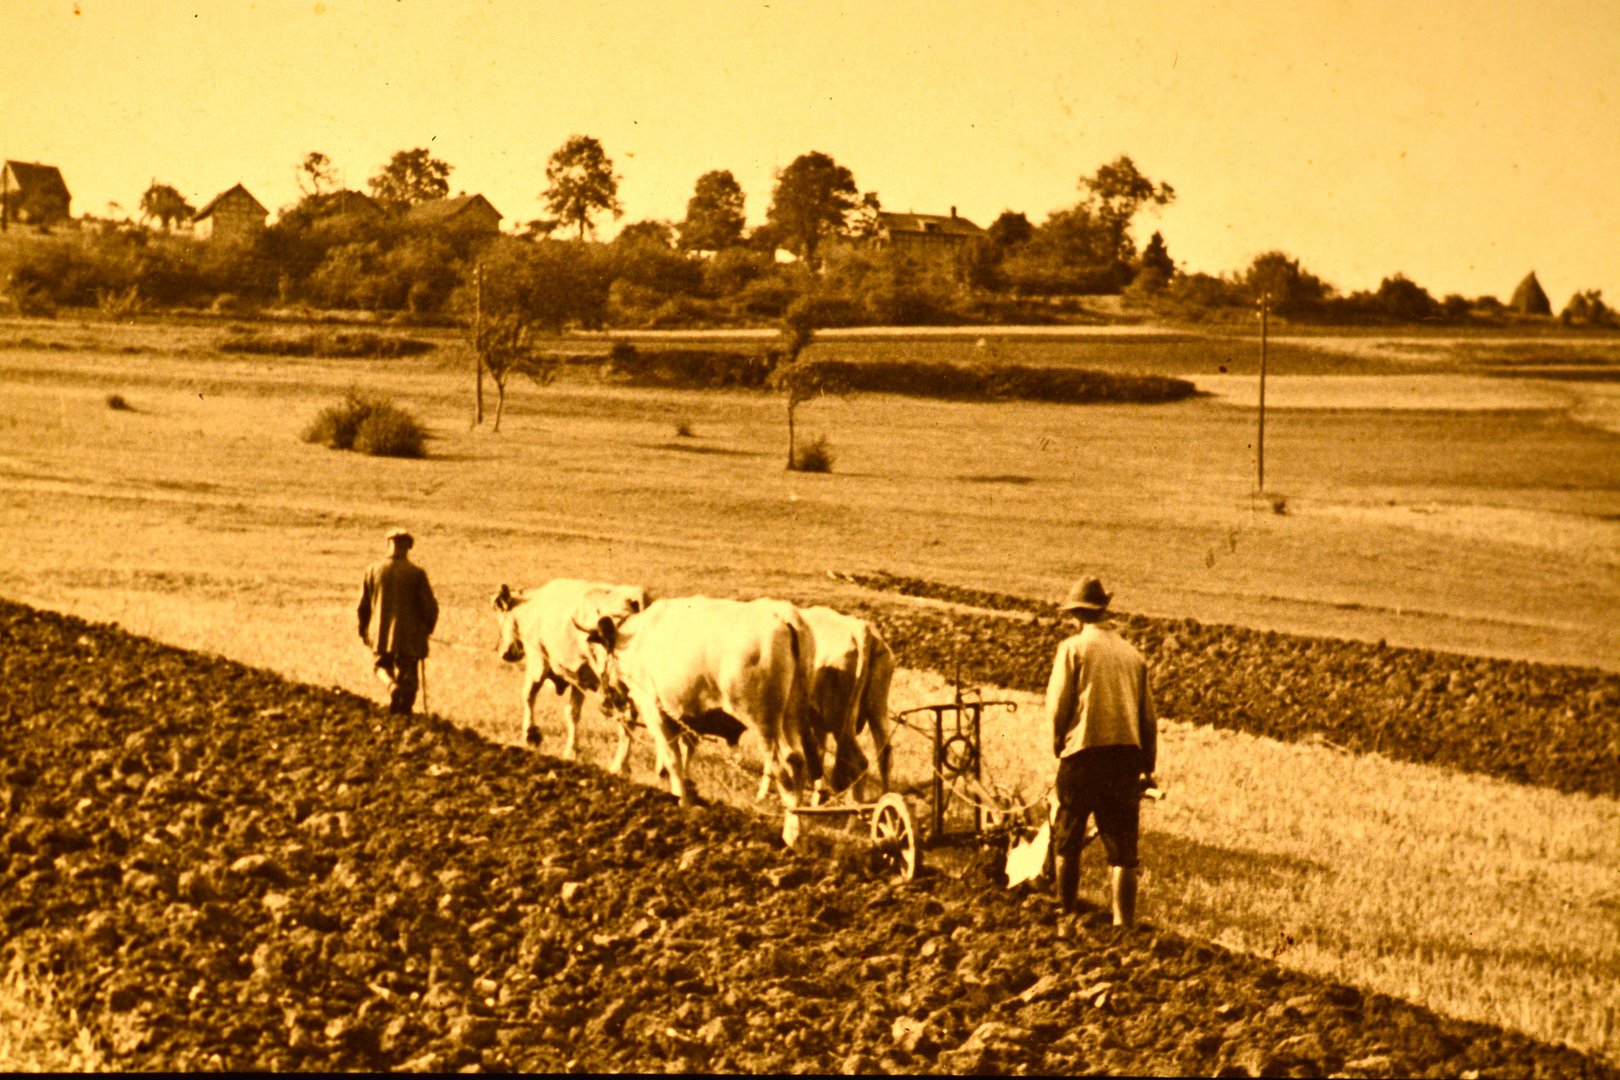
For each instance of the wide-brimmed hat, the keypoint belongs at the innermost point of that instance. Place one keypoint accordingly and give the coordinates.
(1087, 595)
(398, 533)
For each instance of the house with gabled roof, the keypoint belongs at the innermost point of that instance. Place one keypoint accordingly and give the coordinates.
(33, 194)
(233, 214)
(472, 213)
(926, 234)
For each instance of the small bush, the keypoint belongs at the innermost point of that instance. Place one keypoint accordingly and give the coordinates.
(391, 432)
(369, 425)
(32, 302)
(120, 303)
(814, 455)
(683, 429)
(116, 403)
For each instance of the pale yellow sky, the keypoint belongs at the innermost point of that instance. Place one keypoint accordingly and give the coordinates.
(1460, 143)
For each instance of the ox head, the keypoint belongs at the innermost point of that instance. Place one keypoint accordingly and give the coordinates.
(511, 646)
(601, 639)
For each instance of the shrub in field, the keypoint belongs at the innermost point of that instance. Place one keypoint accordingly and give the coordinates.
(815, 456)
(370, 425)
(391, 432)
(116, 403)
(120, 303)
(683, 428)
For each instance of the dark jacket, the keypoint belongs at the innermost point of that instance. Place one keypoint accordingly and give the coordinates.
(397, 592)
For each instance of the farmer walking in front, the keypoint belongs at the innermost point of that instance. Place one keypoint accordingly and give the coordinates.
(397, 592)
(1105, 736)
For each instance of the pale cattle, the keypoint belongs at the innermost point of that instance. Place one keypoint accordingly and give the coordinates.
(850, 675)
(695, 664)
(542, 627)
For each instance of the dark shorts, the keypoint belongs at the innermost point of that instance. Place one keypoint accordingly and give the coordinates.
(1100, 782)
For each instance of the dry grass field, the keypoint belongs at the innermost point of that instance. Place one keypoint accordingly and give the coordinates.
(1429, 513)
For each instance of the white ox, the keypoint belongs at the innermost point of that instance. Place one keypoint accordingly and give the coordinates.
(543, 627)
(851, 670)
(698, 665)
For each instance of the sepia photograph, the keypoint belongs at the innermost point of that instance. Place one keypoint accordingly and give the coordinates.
(722, 536)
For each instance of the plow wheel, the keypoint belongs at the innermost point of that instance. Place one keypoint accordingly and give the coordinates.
(894, 837)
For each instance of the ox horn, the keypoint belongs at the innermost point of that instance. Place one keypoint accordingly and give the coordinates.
(606, 631)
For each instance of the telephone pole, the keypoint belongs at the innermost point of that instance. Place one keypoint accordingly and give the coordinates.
(478, 343)
(1260, 437)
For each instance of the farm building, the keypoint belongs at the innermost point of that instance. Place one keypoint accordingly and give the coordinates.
(926, 234)
(33, 194)
(472, 213)
(1530, 298)
(348, 203)
(232, 215)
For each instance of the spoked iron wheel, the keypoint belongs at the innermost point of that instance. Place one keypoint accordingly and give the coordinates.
(894, 837)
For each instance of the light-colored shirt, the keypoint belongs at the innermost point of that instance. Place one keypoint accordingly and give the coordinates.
(1099, 696)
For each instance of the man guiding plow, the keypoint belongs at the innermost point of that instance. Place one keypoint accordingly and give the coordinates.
(1105, 737)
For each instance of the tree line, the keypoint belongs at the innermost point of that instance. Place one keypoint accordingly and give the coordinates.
(708, 268)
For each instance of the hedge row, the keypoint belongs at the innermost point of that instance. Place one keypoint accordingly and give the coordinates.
(343, 344)
(707, 369)
(1553, 725)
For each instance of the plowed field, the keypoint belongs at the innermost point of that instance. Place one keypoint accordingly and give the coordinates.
(215, 867)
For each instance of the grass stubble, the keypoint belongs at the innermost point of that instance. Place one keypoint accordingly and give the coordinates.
(200, 526)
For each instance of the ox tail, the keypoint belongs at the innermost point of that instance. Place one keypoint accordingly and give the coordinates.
(795, 750)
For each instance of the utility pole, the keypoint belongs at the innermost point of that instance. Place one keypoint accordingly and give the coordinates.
(1260, 438)
(478, 342)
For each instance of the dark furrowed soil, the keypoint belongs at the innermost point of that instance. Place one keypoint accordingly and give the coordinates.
(1547, 724)
(219, 868)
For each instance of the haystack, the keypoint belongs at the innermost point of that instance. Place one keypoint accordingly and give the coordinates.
(1530, 298)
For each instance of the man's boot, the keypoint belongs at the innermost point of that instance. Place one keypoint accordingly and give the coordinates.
(1123, 882)
(1066, 869)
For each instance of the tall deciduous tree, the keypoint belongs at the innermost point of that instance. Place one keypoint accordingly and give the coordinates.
(1114, 195)
(1010, 230)
(163, 203)
(316, 174)
(813, 198)
(714, 213)
(411, 177)
(580, 183)
(1289, 287)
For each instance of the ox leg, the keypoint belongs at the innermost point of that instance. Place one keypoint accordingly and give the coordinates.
(621, 755)
(790, 770)
(531, 730)
(881, 734)
(576, 701)
(670, 759)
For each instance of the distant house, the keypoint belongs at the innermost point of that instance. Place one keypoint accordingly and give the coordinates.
(472, 213)
(926, 234)
(33, 194)
(347, 203)
(232, 215)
